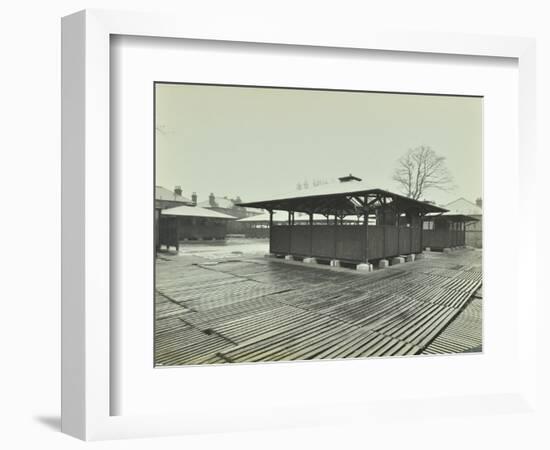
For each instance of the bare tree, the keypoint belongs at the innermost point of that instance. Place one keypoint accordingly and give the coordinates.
(421, 170)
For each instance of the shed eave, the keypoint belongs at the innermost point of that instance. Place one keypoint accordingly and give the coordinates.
(310, 203)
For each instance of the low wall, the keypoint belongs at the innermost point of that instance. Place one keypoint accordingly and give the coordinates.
(344, 242)
(440, 239)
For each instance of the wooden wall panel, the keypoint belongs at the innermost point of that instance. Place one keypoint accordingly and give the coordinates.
(279, 239)
(323, 241)
(300, 240)
(349, 241)
(375, 249)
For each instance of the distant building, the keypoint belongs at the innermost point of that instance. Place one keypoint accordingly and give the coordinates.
(178, 218)
(165, 198)
(226, 205)
(445, 231)
(474, 234)
(190, 223)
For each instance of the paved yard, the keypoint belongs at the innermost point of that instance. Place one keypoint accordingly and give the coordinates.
(231, 305)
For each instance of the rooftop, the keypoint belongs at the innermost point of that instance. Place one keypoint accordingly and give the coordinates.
(463, 206)
(342, 198)
(195, 211)
(161, 193)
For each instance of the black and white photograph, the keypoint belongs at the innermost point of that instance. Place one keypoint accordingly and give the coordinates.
(303, 224)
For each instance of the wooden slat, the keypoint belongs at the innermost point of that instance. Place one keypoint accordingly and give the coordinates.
(261, 310)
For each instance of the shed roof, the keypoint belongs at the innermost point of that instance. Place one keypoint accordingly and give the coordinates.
(161, 193)
(342, 198)
(195, 211)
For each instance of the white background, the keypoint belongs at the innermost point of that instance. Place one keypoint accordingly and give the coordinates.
(144, 390)
(29, 386)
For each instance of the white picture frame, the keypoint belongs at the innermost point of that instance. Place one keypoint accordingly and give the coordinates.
(86, 247)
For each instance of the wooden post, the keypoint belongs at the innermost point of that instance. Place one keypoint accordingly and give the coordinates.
(366, 237)
(398, 234)
(335, 233)
(177, 234)
(270, 227)
(289, 232)
(410, 217)
(421, 232)
(311, 234)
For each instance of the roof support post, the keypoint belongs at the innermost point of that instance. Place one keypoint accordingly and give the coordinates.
(410, 218)
(398, 216)
(177, 244)
(335, 234)
(270, 227)
(421, 232)
(290, 214)
(311, 234)
(366, 237)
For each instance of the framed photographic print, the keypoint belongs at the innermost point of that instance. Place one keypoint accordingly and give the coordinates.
(267, 228)
(219, 300)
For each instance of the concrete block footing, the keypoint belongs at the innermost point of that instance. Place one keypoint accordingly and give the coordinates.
(289, 258)
(428, 249)
(383, 263)
(419, 256)
(310, 260)
(410, 258)
(365, 267)
(334, 263)
(447, 250)
(397, 260)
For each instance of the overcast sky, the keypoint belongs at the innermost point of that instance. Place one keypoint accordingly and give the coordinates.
(255, 142)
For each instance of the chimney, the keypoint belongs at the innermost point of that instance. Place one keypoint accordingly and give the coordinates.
(212, 199)
(194, 198)
(479, 202)
(177, 190)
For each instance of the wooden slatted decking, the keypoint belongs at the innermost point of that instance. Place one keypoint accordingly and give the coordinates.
(264, 310)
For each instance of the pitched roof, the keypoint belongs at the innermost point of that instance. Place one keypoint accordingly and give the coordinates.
(334, 197)
(195, 211)
(161, 193)
(463, 206)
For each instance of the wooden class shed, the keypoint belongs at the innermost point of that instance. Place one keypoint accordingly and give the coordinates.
(362, 224)
(190, 223)
(258, 226)
(445, 231)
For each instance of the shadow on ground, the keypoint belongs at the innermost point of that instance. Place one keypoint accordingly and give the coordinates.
(51, 422)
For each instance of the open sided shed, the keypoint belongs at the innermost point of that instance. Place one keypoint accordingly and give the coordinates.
(387, 224)
(192, 223)
(445, 230)
(258, 226)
